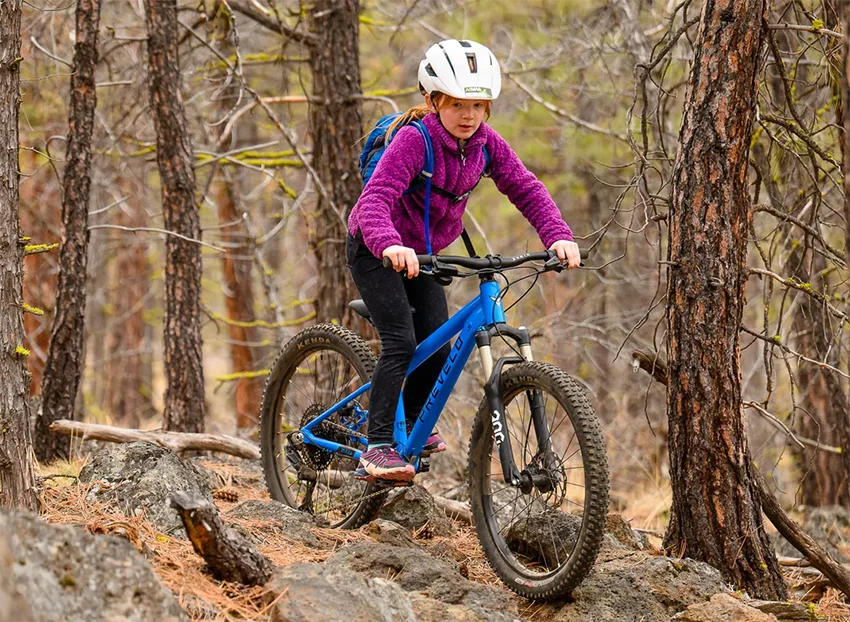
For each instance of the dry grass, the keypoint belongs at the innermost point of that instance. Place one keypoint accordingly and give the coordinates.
(184, 572)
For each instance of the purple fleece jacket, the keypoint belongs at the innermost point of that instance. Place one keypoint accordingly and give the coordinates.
(387, 216)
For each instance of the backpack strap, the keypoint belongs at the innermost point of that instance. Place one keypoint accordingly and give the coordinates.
(427, 172)
(467, 242)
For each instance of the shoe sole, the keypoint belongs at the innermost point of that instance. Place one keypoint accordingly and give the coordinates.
(405, 475)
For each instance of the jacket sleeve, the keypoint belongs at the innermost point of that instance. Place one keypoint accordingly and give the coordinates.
(396, 170)
(526, 192)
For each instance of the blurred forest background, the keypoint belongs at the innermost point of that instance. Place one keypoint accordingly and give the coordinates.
(592, 102)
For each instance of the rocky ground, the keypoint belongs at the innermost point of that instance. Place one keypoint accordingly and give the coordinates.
(108, 546)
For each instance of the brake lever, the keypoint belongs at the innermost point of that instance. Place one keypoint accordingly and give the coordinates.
(555, 264)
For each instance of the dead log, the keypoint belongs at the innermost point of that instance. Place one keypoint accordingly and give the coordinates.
(230, 555)
(175, 441)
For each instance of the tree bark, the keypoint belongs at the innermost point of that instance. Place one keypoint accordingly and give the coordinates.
(336, 126)
(230, 555)
(17, 477)
(65, 355)
(715, 502)
(184, 393)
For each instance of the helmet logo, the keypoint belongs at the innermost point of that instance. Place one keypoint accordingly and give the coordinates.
(478, 90)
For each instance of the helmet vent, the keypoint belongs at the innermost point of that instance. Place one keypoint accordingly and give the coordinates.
(449, 61)
(465, 44)
(430, 70)
(473, 63)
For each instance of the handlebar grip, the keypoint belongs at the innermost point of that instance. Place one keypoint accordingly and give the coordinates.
(424, 260)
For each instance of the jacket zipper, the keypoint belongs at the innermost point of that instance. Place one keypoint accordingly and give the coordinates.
(462, 153)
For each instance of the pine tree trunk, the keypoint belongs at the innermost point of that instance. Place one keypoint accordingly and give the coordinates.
(126, 380)
(17, 478)
(717, 509)
(65, 356)
(336, 125)
(238, 289)
(843, 424)
(822, 402)
(239, 299)
(184, 393)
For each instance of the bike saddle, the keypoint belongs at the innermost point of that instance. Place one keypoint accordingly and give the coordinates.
(360, 308)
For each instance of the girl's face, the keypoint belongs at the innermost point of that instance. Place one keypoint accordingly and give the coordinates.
(462, 117)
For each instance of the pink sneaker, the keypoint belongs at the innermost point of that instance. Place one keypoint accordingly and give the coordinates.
(434, 445)
(385, 463)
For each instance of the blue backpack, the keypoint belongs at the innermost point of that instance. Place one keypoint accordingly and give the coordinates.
(376, 144)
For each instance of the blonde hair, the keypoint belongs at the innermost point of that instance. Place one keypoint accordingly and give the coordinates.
(440, 100)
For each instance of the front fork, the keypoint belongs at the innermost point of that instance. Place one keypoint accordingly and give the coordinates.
(501, 436)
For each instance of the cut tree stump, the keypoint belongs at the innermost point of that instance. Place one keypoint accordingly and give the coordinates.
(175, 441)
(228, 554)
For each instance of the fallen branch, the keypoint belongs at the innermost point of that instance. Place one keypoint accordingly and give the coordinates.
(230, 555)
(651, 364)
(803, 542)
(175, 441)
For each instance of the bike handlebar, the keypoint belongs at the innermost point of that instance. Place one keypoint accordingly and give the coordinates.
(490, 262)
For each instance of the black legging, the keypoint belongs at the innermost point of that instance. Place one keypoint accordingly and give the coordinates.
(389, 296)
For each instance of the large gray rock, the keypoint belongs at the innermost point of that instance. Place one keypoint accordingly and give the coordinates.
(626, 587)
(139, 478)
(68, 575)
(414, 508)
(416, 571)
(549, 536)
(317, 593)
(13, 606)
(723, 608)
(281, 518)
(388, 532)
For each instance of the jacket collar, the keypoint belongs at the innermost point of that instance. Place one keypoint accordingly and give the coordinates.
(441, 134)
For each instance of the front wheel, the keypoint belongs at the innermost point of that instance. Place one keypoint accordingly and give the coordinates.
(542, 542)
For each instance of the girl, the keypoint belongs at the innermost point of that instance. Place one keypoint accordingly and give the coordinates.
(459, 80)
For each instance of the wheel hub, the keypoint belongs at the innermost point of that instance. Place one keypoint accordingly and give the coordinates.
(317, 457)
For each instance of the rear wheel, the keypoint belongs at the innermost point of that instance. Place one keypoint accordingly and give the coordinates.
(315, 370)
(541, 541)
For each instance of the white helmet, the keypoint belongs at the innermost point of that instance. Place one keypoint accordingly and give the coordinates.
(462, 69)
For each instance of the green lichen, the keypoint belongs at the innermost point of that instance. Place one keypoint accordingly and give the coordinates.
(30, 309)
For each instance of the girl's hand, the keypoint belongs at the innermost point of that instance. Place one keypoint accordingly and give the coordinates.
(405, 258)
(567, 251)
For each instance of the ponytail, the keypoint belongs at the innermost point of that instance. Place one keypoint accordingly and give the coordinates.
(414, 114)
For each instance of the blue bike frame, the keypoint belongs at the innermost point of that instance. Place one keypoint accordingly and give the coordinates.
(479, 314)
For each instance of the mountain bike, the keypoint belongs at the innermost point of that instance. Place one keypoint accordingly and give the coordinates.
(538, 473)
